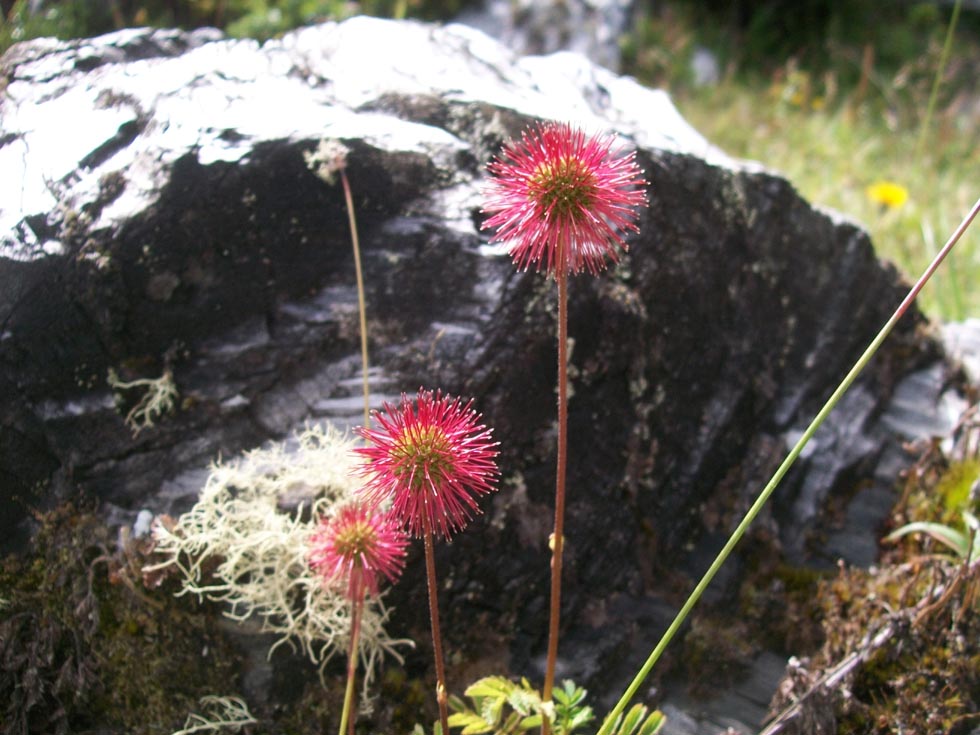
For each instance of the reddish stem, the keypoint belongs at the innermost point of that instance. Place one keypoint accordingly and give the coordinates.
(430, 572)
(558, 538)
(357, 608)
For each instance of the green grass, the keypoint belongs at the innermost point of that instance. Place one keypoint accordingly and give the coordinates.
(845, 111)
(832, 155)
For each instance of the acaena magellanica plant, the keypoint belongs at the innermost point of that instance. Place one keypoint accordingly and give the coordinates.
(563, 200)
(353, 549)
(430, 458)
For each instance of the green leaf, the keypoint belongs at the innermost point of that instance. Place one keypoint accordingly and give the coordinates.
(653, 723)
(570, 694)
(973, 523)
(531, 722)
(524, 701)
(491, 709)
(631, 720)
(491, 686)
(471, 723)
(581, 718)
(571, 712)
(952, 538)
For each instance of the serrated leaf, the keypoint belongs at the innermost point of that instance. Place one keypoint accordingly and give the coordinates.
(524, 701)
(471, 723)
(581, 718)
(570, 695)
(491, 686)
(491, 709)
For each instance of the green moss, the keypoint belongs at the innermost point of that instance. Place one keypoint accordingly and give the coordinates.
(925, 678)
(954, 486)
(86, 646)
(777, 601)
(716, 651)
(316, 711)
(406, 699)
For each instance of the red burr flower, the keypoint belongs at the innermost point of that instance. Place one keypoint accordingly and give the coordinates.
(431, 458)
(563, 199)
(357, 545)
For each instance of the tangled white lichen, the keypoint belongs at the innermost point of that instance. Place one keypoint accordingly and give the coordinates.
(159, 398)
(238, 545)
(220, 713)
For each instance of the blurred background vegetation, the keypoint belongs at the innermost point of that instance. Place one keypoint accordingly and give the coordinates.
(839, 95)
(836, 96)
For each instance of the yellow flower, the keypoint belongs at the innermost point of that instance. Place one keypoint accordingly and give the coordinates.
(887, 194)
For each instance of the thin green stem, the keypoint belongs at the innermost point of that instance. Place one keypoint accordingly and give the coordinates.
(357, 609)
(442, 696)
(781, 471)
(361, 306)
(936, 83)
(558, 537)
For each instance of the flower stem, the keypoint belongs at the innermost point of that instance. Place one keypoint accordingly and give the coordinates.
(361, 307)
(357, 608)
(558, 537)
(780, 472)
(430, 572)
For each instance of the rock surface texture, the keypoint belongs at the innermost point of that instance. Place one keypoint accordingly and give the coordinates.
(156, 215)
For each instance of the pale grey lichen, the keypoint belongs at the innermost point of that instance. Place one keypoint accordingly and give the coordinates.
(220, 713)
(238, 545)
(159, 398)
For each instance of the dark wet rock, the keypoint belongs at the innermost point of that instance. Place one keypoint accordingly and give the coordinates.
(156, 214)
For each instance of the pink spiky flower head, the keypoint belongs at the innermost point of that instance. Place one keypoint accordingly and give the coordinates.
(563, 199)
(357, 545)
(432, 458)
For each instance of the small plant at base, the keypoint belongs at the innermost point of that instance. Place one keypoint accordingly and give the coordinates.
(563, 199)
(430, 458)
(492, 694)
(964, 544)
(355, 547)
(260, 555)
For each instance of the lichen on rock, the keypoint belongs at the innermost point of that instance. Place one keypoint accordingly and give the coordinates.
(246, 544)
